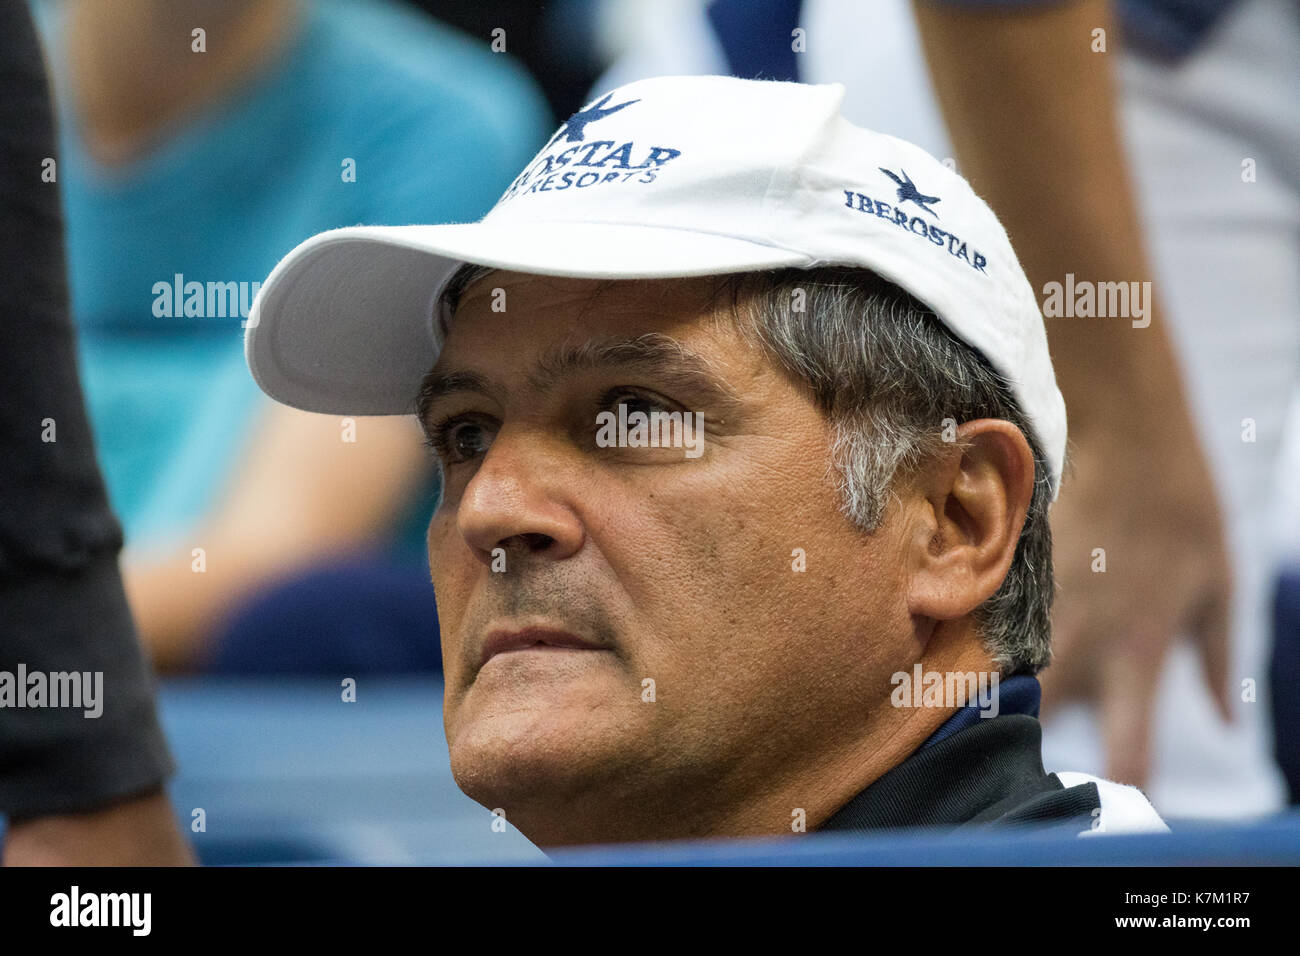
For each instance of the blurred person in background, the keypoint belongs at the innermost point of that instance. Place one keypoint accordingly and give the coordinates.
(1284, 667)
(1203, 96)
(1035, 110)
(199, 139)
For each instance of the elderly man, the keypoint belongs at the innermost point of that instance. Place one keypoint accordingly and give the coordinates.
(748, 432)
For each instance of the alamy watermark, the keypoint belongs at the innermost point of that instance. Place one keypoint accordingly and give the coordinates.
(76, 689)
(949, 689)
(1102, 300)
(74, 908)
(651, 430)
(203, 300)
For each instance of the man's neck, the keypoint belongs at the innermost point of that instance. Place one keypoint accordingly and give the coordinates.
(850, 764)
(134, 72)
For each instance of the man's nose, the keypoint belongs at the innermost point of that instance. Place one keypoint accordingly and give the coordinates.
(520, 500)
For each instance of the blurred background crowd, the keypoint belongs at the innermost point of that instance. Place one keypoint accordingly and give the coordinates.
(263, 541)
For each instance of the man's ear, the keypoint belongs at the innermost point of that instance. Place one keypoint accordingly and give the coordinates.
(969, 509)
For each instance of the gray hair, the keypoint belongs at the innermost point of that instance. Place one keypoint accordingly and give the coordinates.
(887, 373)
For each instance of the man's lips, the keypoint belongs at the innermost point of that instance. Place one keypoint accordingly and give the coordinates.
(503, 641)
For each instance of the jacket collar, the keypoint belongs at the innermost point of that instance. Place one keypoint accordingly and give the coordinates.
(972, 769)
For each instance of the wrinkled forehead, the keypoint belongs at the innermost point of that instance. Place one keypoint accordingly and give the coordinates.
(595, 305)
(528, 334)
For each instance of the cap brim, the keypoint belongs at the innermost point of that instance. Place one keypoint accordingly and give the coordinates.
(345, 324)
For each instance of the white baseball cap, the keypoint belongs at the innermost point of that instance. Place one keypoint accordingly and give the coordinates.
(668, 177)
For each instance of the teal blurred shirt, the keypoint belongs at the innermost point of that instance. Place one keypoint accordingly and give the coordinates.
(437, 126)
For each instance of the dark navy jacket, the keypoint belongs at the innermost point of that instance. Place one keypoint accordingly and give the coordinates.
(987, 771)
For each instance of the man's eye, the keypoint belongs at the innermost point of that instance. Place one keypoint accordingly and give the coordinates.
(468, 440)
(461, 440)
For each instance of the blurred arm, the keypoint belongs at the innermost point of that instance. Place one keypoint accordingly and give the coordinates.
(301, 493)
(1031, 111)
(69, 783)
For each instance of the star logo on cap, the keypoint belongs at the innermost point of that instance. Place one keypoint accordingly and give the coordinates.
(574, 127)
(907, 191)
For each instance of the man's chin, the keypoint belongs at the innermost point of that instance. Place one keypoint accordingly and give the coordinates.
(506, 755)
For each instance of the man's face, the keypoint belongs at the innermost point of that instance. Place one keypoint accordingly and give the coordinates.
(714, 665)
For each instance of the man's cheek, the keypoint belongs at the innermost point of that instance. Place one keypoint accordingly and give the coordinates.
(451, 562)
(453, 573)
(442, 525)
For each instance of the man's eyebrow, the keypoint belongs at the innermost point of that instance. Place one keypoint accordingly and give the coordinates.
(437, 383)
(653, 353)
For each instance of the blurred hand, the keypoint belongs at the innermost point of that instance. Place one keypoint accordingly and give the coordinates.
(139, 831)
(1155, 512)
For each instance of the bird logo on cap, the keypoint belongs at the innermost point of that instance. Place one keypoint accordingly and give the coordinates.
(907, 191)
(574, 127)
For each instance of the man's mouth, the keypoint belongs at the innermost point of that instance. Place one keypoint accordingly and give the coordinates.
(504, 641)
